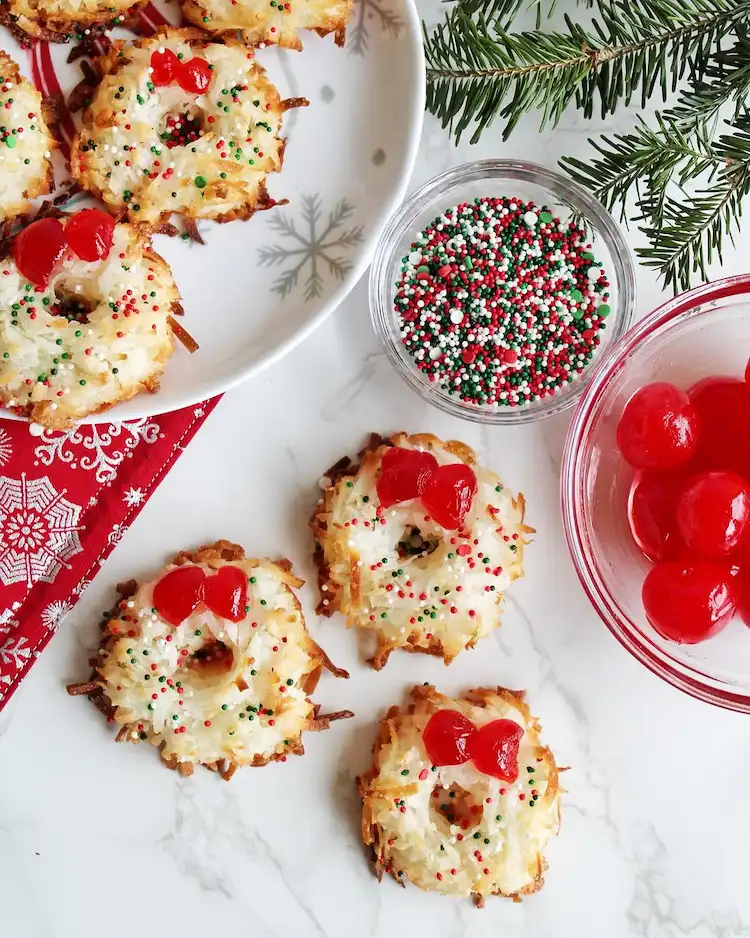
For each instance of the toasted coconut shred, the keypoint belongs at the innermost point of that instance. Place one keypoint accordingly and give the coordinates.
(25, 142)
(211, 691)
(280, 23)
(399, 573)
(153, 151)
(96, 335)
(453, 829)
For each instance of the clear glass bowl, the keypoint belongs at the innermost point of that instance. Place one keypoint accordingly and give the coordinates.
(496, 178)
(702, 333)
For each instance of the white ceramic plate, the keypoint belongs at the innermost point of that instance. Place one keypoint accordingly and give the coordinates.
(257, 288)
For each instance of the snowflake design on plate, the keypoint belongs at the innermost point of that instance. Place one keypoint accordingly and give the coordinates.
(96, 449)
(6, 449)
(38, 530)
(54, 613)
(358, 34)
(315, 247)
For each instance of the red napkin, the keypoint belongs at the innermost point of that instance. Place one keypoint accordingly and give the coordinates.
(66, 499)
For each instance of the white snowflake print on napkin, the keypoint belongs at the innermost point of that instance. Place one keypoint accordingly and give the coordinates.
(14, 652)
(54, 613)
(94, 449)
(38, 530)
(133, 497)
(6, 450)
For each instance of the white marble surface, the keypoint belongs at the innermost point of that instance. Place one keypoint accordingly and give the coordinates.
(100, 840)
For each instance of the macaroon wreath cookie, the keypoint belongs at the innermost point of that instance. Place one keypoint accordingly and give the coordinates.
(87, 316)
(180, 123)
(26, 142)
(275, 22)
(62, 20)
(212, 663)
(416, 541)
(462, 797)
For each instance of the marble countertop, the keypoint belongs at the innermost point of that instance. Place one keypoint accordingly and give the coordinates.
(98, 839)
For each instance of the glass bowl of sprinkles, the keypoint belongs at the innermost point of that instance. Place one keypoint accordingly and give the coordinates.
(496, 287)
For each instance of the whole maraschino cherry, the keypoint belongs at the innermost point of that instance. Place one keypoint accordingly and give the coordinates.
(689, 503)
(658, 428)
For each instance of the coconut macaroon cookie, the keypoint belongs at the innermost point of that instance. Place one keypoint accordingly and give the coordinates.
(417, 542)
(180, 123)
(211, 662)
(85, 317)
(25, 142)
(61, 20)
(277, 22)
(462, 797)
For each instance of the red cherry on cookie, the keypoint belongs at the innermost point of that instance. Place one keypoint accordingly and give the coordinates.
(713, 512)
(449, 494)
(90, 234)
(225, 593)
(164, 67)
(178, 593)
(404, 473)
(194, 75)
(38, 249)
(689, 601)
(723, 409)
(446, 737)
(652, 515)
(658, 428)
(494, 749)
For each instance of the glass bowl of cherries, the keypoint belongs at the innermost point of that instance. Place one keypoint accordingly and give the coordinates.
(656, 492)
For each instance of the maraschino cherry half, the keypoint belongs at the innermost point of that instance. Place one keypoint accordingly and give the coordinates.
(447, 492)
(181, 591)
(450, 738)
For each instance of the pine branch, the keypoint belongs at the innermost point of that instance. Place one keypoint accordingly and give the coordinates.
(478, 70)
(688, 190)
(646, 157)
(688, 233)
(726, 78)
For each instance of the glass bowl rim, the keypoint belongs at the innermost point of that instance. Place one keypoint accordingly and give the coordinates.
(380, 290)
(683, 677)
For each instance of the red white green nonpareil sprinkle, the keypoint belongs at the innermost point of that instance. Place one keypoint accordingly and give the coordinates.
(500, 302)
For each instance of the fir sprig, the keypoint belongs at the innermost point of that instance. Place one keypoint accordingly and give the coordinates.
(478, 69)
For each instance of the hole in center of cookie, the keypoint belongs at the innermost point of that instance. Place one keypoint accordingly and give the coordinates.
(454, 805)
(71, 302)
(212, 659)
(413, 543)
(181, 128)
